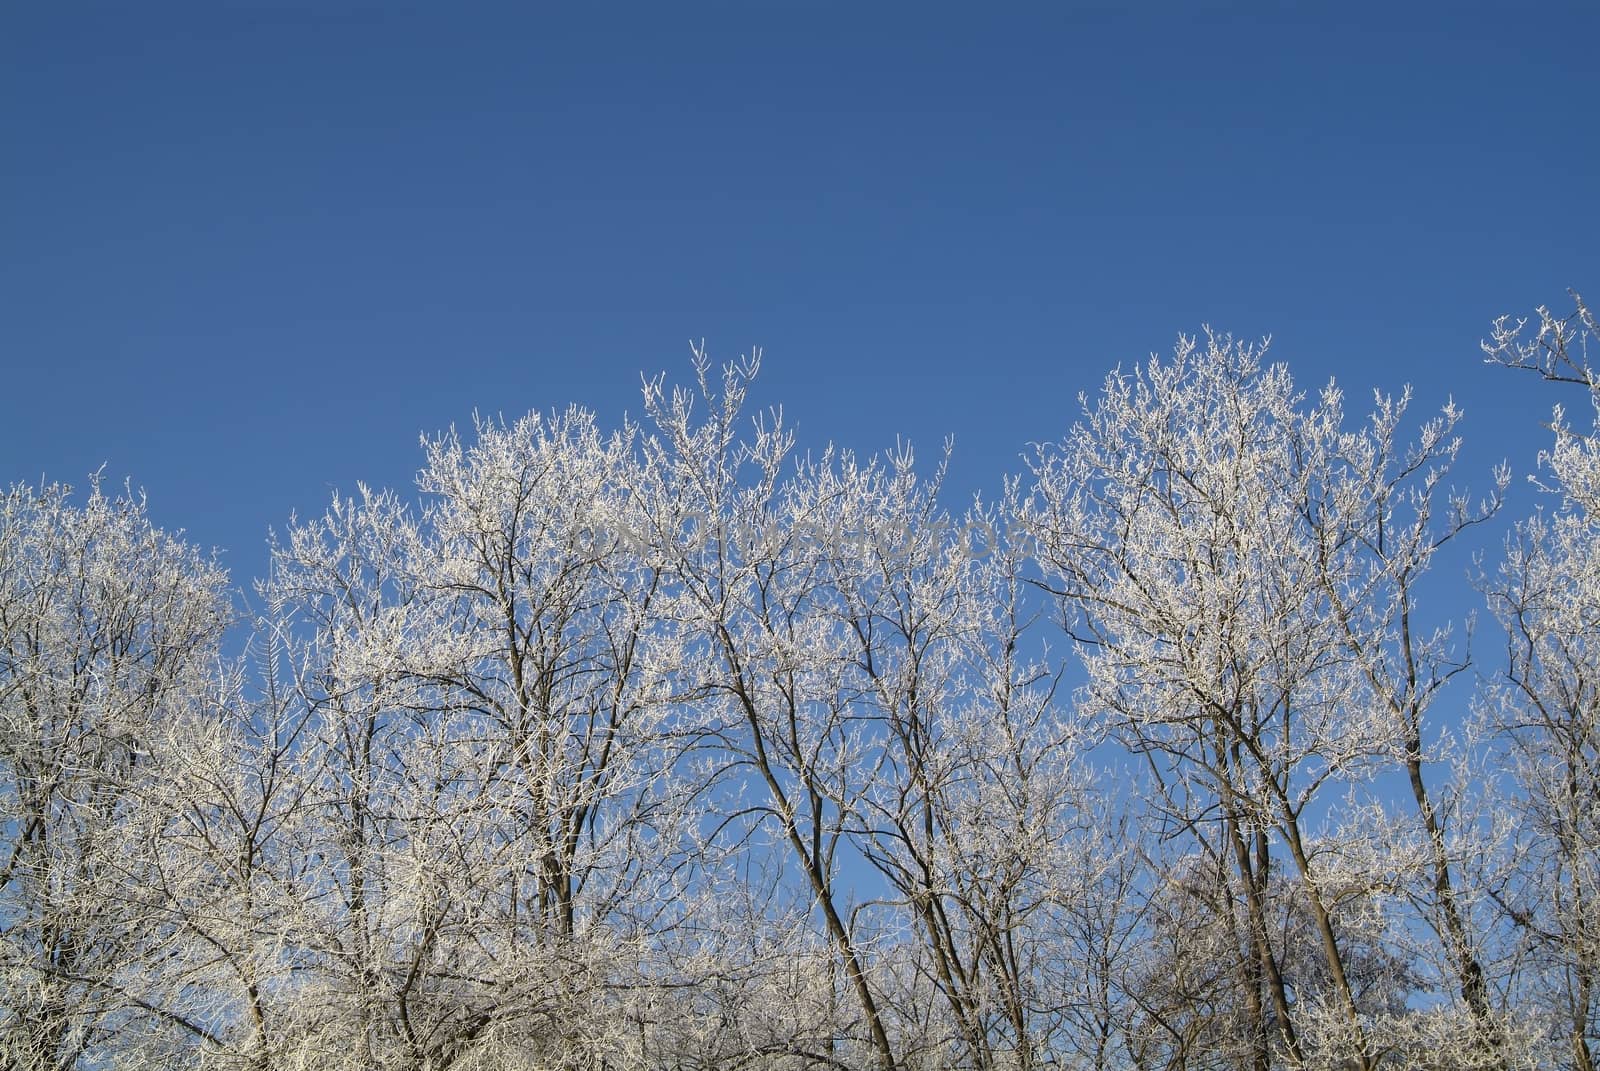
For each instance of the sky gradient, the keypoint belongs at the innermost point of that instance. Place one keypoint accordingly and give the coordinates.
(249, 251)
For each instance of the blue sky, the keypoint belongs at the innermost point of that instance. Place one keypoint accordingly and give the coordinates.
(248, 251)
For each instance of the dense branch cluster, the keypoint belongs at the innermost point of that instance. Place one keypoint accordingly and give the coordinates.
(672, 747)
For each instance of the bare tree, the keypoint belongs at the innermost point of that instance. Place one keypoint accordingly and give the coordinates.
(671, 747)
(754, 563)
(492, 813)
(1544, 708)
(108, 629)
(981, 816)
(1381, 521)
(225, 790)
(1224, 559)
(878, 700)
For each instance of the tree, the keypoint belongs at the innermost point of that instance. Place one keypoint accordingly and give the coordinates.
(491, 814)
(1545, 711)
(982, 814)
(755, 565)
(216, 817)
(871, 703)
(109, 629)
(1544, 708)
(672, 747)
(1235, 569)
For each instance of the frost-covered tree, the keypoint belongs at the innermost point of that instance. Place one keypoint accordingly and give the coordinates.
(491, 815)
(1544, 705)
(1234, 566)
(756, 562)
(225, 791)
(879, 719)
(673, 746)
(109, 630)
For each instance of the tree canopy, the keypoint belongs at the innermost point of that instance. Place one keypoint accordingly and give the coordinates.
(671, 745)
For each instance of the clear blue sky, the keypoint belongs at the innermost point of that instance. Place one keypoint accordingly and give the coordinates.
(248, 251)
